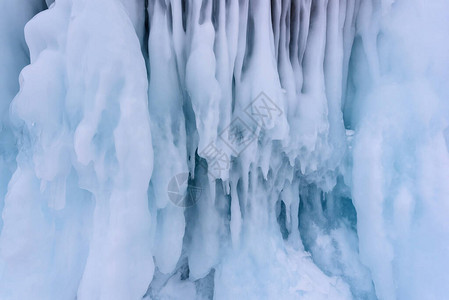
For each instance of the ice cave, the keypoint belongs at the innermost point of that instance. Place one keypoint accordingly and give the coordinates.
(224, 149)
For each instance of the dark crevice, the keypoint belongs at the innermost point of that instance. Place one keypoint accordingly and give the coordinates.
(146, 34)
(249, 41)
(184, 7)
(281, 217)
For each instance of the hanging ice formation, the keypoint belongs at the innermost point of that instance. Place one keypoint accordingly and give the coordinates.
(224, 149)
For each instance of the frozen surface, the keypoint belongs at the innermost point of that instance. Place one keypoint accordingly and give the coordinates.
(224, 149)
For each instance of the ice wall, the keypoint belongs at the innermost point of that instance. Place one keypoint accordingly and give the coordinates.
(76, 217)
(13, 57)
(400, 156)
(201, 149)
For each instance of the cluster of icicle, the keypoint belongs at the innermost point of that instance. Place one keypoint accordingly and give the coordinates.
(117, 98)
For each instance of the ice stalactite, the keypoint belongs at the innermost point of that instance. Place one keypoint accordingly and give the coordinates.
(209, 63)
(169, 136)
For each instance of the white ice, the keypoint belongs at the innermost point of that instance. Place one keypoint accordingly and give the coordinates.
(312, 137)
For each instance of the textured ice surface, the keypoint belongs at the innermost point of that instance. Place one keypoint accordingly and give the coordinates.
(237, 149)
